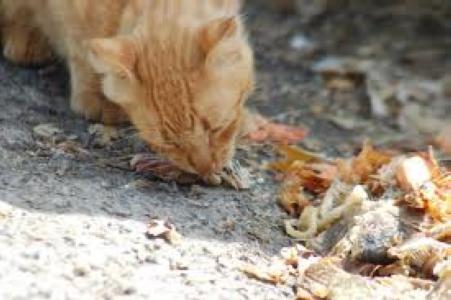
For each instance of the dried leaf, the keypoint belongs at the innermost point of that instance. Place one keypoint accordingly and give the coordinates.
(315, 177)
(293, 154)
(157, 228)
(303, 171)
(358, 170)
(259, 130)
(292, 197)
(275, 274)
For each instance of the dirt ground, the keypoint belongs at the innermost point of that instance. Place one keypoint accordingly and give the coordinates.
(72, 224)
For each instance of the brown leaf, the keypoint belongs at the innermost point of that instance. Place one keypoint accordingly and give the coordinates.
(316, 177)
(275, 274)
(157, 228)
(303, 170)
(292, 154)
(259, 130)
(361, 168)
(278, 133)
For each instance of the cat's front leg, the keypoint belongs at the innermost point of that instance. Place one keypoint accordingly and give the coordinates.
(87, 98)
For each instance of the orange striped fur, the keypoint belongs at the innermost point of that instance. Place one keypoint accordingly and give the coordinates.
(179, 70)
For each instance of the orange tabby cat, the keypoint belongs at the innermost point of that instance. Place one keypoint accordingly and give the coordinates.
(179, 70)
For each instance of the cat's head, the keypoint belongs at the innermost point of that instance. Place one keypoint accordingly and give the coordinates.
(184, 90)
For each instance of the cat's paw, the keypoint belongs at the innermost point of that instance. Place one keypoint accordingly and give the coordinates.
(26, 48)
(88, 107)
(99, 110)
(112, 114)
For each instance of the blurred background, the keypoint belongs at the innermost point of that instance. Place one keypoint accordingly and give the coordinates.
(350, 70)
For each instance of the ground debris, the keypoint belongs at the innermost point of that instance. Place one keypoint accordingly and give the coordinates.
(370, 232)
(303, 170)
(341, 74)
(47, 131)
(102, 135)
(391, 93)
(233, 175)
(157, 228)
(316, 219)
(275, 274)
(421, 254)
(259, 129)
(366, 164)
(326, 279)
(378, 224)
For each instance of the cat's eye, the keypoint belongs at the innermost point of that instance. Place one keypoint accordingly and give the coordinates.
(216, 130)
(122, 76)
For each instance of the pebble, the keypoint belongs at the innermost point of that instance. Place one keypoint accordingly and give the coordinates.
(82, 268)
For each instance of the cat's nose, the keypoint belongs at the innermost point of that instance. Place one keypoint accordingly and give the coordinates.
(203, 165)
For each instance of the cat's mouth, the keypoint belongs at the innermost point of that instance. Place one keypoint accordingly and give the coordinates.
(232, 174)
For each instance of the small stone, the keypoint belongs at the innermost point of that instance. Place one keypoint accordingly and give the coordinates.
(5, 210)
(81, 268)
(129, 290)
(303, 44)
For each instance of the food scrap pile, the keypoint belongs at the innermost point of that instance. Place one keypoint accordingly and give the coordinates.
(375, 226)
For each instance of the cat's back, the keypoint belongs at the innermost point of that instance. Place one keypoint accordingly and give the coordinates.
(84, 17)
(64, 21)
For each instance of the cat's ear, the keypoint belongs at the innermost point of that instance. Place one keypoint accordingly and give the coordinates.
(112, 56)
(217, 31)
